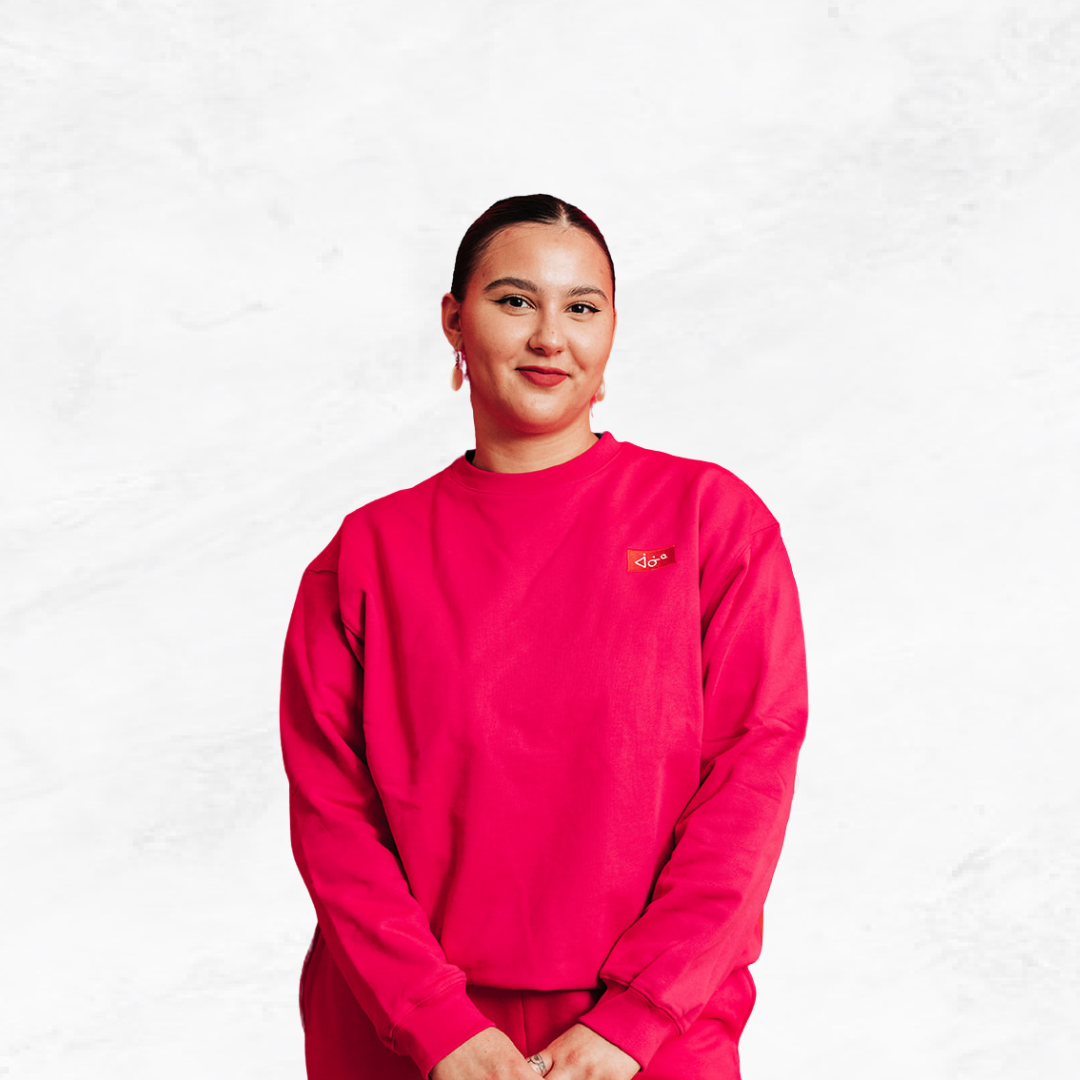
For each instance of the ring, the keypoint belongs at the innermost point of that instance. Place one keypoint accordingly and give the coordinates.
(539, 1064)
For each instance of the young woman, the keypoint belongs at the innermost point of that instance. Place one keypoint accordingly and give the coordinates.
(540, 717)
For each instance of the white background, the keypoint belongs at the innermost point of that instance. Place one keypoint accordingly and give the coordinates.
(846, 237)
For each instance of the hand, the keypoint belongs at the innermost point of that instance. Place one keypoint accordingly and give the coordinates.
(580, 1054)
(488, 1055)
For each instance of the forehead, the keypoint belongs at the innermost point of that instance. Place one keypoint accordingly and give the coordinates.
(554, 255)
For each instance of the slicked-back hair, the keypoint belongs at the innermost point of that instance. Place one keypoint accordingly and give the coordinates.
(519, 210)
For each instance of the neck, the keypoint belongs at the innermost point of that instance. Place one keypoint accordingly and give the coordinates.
(498, 451)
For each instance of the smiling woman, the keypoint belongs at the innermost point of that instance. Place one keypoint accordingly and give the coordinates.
(533, 319)
(540, 716)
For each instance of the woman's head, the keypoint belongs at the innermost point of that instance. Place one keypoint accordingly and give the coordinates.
(532, 308)
(519, 210)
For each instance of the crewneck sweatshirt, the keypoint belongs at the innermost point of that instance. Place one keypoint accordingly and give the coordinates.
(541, 731)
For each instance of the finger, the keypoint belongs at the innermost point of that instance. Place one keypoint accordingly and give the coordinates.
(540, 1063)
(559, 1072)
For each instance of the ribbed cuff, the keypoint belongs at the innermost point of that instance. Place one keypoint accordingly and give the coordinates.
(438, 1026)
(630, 1021)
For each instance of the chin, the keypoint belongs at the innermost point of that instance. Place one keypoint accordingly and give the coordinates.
(543, 422)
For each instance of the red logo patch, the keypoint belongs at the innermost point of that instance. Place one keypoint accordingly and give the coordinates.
(637, 561)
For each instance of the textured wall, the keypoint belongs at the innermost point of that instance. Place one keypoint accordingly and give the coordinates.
(846, 237)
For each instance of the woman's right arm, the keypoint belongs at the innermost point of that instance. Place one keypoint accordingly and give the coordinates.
(374, 927)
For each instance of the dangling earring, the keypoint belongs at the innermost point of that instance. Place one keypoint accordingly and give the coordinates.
(457, 376)
(598, 396)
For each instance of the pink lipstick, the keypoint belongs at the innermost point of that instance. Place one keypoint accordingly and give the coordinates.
(543, 376)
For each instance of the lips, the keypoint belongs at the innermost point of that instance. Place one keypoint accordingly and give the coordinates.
(543, 376)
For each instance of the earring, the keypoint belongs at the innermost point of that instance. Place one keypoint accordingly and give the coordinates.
(457, 376)
(601, 390)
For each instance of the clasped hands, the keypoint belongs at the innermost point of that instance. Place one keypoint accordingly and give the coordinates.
(579, 1053)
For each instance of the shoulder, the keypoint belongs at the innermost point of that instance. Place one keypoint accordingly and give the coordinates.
(387, 516)
(398, 507)
(720, 495)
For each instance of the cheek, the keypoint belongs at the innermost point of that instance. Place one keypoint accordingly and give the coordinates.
(595, 343)
(496, 334)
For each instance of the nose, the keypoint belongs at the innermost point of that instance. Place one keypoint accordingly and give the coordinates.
(547, 337)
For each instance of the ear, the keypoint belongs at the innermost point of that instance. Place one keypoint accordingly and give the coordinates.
(451, 320)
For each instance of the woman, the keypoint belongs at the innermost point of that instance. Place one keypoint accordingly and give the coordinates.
(540, 719)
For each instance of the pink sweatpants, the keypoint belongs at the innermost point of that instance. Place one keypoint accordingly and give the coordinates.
(340, 1042)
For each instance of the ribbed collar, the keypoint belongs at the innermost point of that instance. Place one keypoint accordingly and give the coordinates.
(577, 468)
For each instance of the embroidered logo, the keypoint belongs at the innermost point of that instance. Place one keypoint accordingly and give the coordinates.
(637, 561)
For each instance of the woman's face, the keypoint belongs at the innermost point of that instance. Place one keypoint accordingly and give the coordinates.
(536, 325)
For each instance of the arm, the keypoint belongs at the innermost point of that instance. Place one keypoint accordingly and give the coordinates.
(377, 932)
(710, 893)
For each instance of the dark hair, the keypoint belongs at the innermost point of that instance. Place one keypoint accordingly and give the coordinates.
(518, 210)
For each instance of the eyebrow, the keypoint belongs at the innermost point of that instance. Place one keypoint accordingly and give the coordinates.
(530, 286)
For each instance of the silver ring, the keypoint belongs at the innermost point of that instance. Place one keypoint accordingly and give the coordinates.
(539, 1064)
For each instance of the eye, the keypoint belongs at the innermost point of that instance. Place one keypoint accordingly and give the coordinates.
(582, 308)
(518, 303)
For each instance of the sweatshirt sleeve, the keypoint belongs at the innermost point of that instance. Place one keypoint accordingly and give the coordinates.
(708, 896)
(376, 931)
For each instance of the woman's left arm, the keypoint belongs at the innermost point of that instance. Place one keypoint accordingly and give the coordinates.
(700, 921)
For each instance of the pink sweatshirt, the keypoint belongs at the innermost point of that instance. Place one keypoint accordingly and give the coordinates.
(541, 731)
